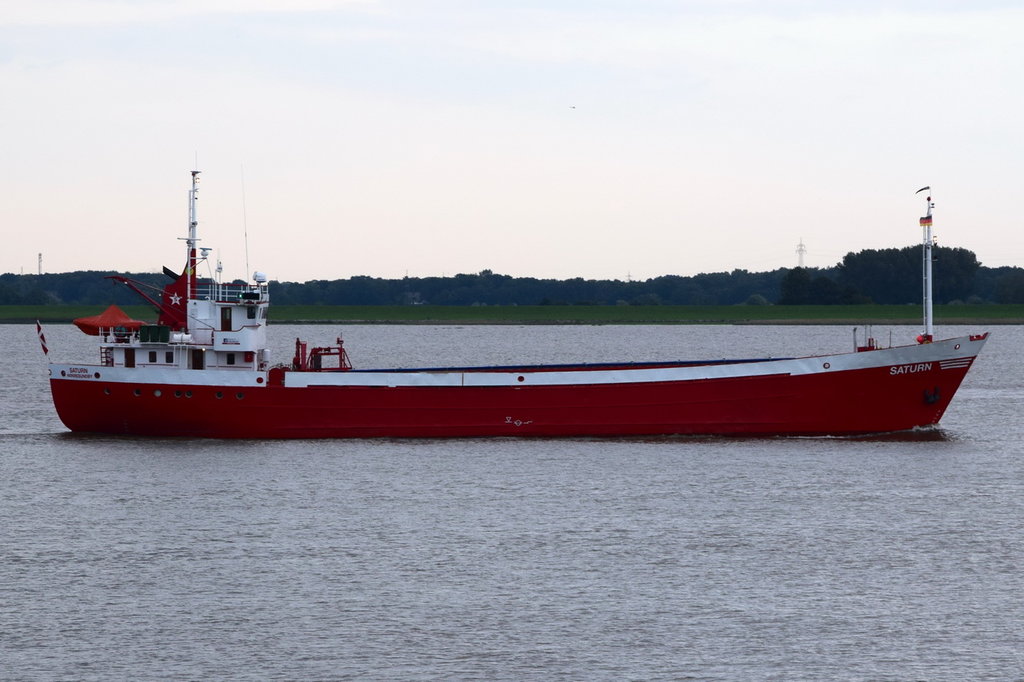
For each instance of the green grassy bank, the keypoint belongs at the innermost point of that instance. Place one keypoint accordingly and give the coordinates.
(581, 314)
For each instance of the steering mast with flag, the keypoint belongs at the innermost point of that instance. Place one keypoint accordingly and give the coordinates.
(926, 256)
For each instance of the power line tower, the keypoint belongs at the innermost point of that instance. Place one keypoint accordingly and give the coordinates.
(800, 251)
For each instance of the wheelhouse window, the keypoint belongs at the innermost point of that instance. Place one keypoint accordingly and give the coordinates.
(231, 358)
(152, 356)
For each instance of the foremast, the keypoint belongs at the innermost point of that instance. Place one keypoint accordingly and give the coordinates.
(927, 245)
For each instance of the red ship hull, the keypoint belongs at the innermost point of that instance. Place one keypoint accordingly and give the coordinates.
(855, 393)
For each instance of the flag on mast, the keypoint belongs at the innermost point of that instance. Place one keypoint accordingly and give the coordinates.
(42, 338)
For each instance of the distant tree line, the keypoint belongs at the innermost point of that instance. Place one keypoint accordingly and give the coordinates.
(894, 276)
(871, 276)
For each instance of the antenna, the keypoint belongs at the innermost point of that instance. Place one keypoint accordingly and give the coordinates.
(800, 251)
(40, 264)
(245, 222)
(926, 257)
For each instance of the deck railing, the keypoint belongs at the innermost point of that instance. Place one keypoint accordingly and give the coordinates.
(231, 292)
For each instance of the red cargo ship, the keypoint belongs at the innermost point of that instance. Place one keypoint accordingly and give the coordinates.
(203, 370)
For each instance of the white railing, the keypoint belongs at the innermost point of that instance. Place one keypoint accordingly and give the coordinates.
(231, 292)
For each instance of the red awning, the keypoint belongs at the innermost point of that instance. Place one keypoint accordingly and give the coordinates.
(110, 318)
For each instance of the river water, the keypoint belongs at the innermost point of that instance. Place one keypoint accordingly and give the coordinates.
(569, 559)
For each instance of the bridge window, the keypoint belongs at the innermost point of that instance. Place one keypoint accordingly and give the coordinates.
(231, 358)
(152, 356)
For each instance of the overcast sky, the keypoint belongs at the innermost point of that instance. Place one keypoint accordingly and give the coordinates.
(554, 138)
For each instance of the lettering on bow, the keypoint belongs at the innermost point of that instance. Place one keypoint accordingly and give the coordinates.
(911, 369)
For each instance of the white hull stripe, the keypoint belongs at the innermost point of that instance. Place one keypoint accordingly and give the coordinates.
(885, 360)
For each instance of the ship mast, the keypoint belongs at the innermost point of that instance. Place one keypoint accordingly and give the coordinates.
(926, 256)
(190, 245)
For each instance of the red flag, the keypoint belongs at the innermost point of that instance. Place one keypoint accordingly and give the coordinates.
(42, 338)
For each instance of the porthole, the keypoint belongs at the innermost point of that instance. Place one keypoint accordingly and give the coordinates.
(826, 365)
(219, 395)
(521, 378)
(157, 392)
(136, 392)
(188, 394)
(239, 395)
(97, 375)
(177, 394)
(63, 373)
(106, 391)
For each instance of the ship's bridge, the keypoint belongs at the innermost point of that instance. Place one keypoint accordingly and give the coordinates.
(230, 317)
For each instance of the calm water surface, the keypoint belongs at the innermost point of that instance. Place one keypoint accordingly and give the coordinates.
(574, 559)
